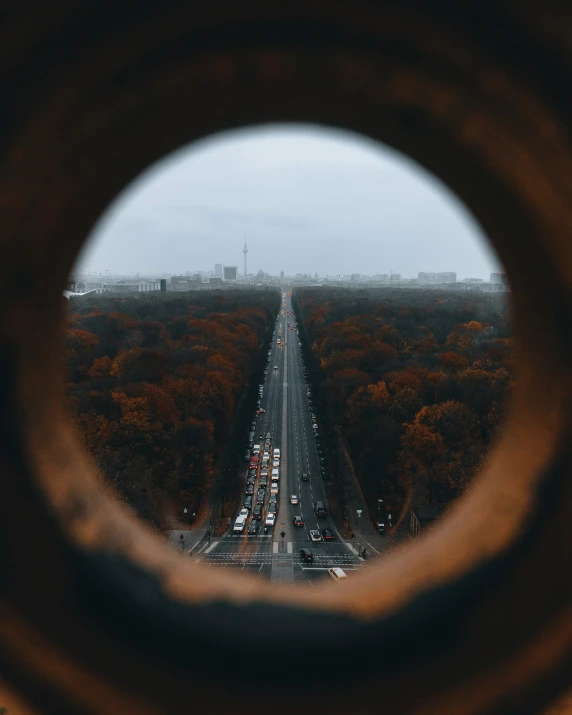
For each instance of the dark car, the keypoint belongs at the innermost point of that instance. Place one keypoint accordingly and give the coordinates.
(320, 509)
(298, 521)
(260, 499)
(250, 480)
(253, 527)
(273, 498)
(322, 460)
(247, 502)
(268, 435)
(250, 489)
(257, 512)
(327, 535)
(306, 556)
(263, 481)
(305, 477)
(273, 508)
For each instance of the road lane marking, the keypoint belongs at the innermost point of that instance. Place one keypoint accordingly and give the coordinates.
(211, 547)
(275, 547)
(373, 547)
(289, 547)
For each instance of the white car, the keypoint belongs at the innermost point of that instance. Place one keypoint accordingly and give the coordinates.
(337, 574)
(276, 452)
(315, 535)
(276, 462)
(276, 367)
(239, 524)
(274, 488)
(264, 472)
(275, 474)
(244, 512)
(294, 499)
(270, 520)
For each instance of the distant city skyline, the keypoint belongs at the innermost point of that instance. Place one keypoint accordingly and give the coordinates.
(305, 200)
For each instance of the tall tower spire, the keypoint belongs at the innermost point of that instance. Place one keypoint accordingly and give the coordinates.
(245, 251)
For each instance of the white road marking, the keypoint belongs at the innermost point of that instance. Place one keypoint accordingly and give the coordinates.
(275, 547)
(373, 547)
(211, 547)
(289, 547)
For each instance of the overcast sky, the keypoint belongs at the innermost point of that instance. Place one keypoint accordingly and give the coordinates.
(308, 199)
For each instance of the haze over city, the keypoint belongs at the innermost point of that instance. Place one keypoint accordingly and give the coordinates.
(307, 199)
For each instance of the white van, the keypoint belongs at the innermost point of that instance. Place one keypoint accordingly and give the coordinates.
(240, 523)
(256, 449)
(276, 452)
(337, 574)
(274, 475)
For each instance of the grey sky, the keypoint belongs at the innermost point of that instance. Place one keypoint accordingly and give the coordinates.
(308, 198)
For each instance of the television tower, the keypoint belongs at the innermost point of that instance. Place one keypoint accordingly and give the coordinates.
(245, 251)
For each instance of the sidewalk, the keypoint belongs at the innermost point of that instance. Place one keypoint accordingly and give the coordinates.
(194, 540)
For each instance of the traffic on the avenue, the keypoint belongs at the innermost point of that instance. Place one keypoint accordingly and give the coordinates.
(283, 529)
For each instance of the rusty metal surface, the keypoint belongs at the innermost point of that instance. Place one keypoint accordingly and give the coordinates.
(95, 614)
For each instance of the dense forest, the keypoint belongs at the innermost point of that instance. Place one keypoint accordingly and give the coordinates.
(154, 382)
(416, 381)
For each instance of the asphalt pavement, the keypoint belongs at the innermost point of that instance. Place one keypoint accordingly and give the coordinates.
(288, 419)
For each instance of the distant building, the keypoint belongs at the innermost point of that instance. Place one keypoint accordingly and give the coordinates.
(230, 273)
(131, 287)
(395, 277)
(473, 281)
(425, 277)
(446, 277)
(498, 278)
(218, 270)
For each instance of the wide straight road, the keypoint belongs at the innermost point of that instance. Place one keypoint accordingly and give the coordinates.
(288, 421)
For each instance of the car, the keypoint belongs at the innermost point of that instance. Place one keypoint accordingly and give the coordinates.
(253, 527)
(263, 479)
(322, 460)
(272, 508)
(243, 512)
(239, 524)
(250, 488)
(276, 462)
(298, 521)
(275, 474)
(264, 472)
(320, 509)
(276, 367)
(274, 488)
(278, 341)
(306, 556)
(268, 435)
(273, 498)
(256, 449)
(270, 519)
(328, 535)
(247, 502)
(277, 452)
(267, 445)
(257, 512)
(305, 477)
(260, 411)
(315, 535)
(337, 574)
(266, 456)
(294, 499)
